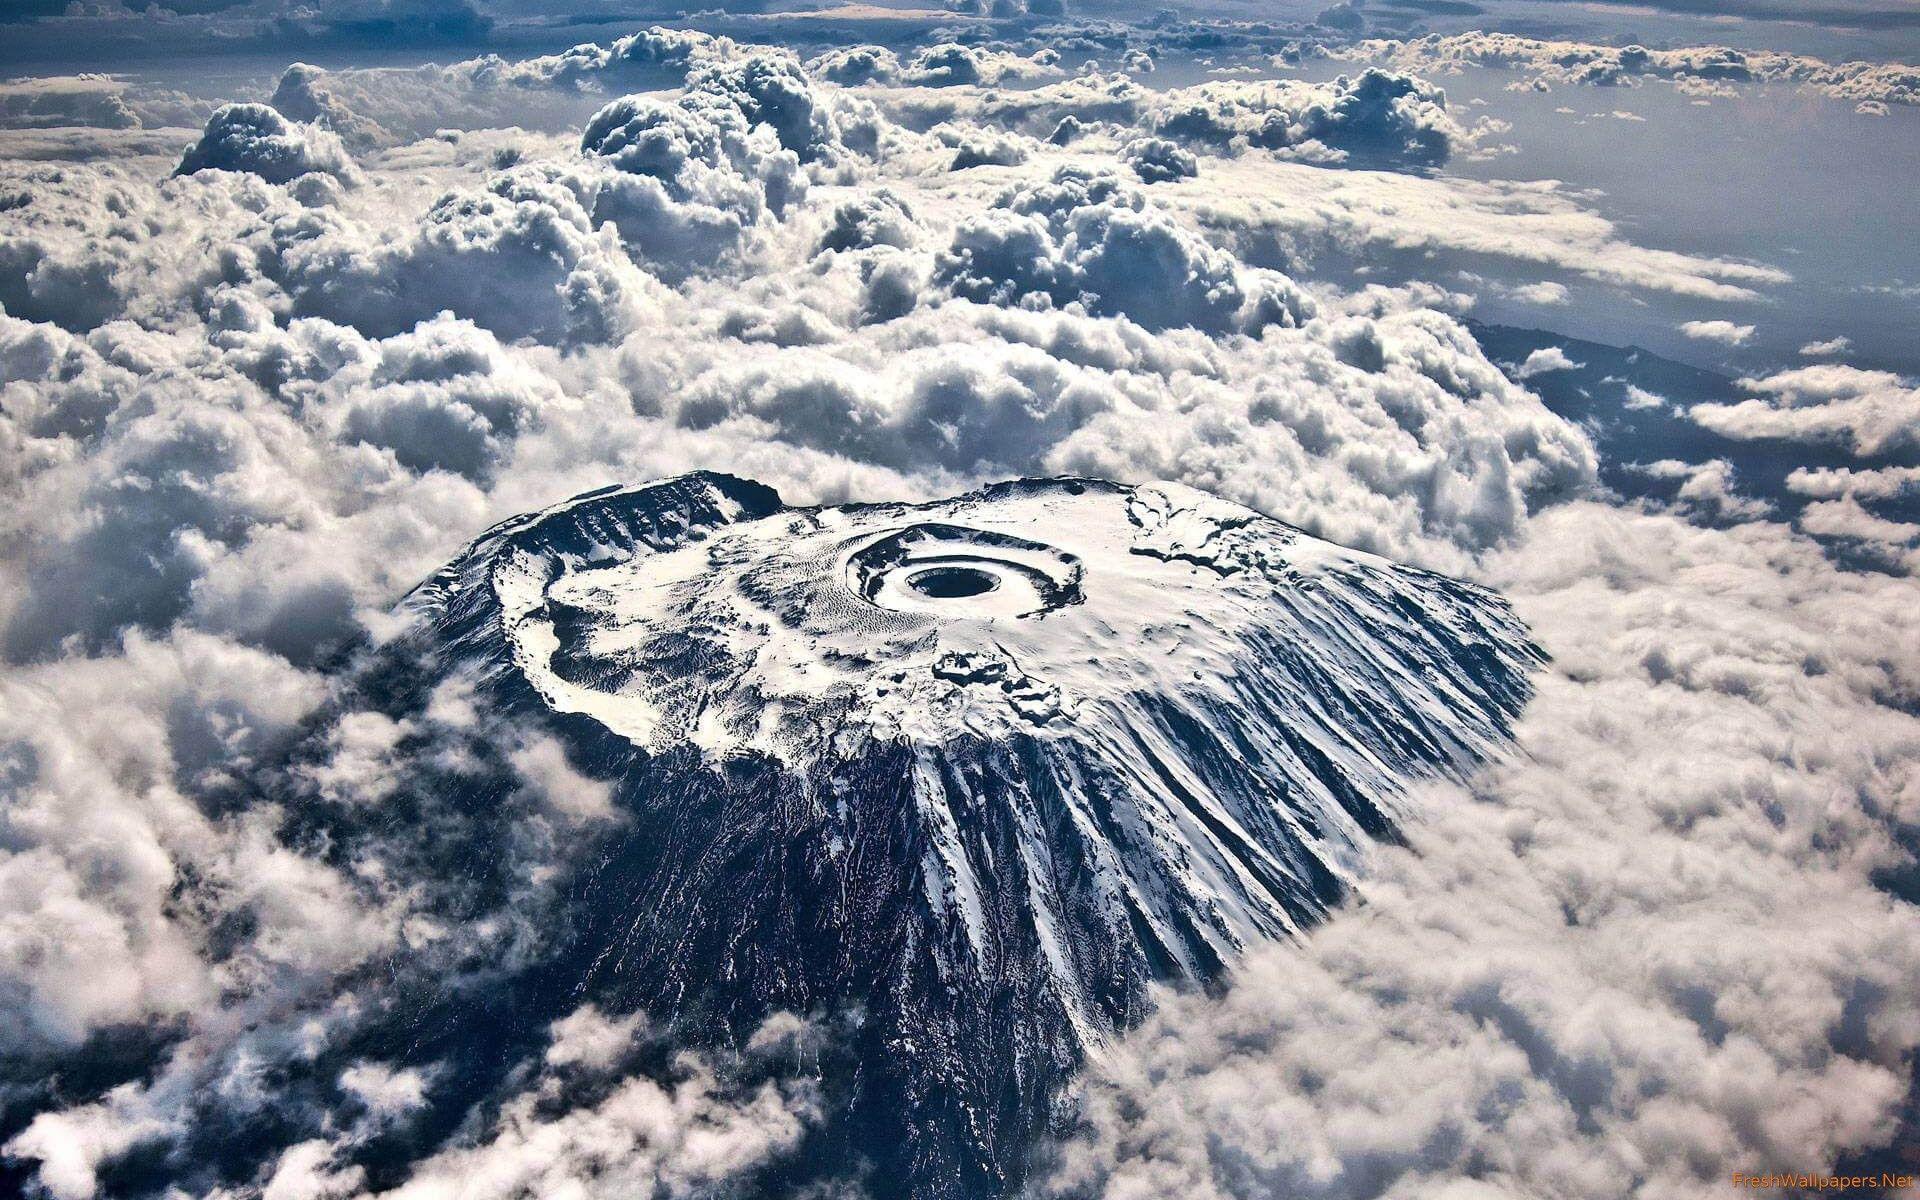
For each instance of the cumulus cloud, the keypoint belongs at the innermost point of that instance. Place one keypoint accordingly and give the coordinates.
(244, 408)
(1725, 332)
(950, 63)
(1708, 488)
(257, 140)
(592, 1039)
(1382, 214)
(1641, 398)
(1868, 411)
(1434, 1042)
(1085, 239)
(854, 65)
(1547, 358)
(974, 147)
(1543, 292)
(1157, 160)
(645, 1138)
(664, 186)
(1893, 541)
(1873, 483)
(943, 64)
(94, 101)
(1551, 62)
(1378, 118)
(382, 105)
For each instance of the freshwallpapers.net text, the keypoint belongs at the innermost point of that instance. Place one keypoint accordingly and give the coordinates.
(1787, 1181)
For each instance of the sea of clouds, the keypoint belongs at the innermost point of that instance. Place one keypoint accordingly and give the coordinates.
(260, 376)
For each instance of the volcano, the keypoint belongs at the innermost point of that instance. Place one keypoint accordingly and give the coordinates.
(960, 779)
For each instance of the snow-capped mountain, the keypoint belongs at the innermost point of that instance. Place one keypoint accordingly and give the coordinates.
(962, 778)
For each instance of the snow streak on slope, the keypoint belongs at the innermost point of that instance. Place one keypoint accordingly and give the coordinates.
(982, 769)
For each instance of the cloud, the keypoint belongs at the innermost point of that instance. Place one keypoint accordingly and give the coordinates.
(1570, 62)
(1835, 345)
(1547, 358)
(94, 101)
(1376, 119)
(1874, 483)
(1084, 239)
(1157, 160)
(1845, 518)
(257, 140)
(983, 148)
(1871, 412)
(855, 65)
(1381, 215)
(381, 106)
(674, 1140)
(1434, 1041)
(1708, 488)
(943, 64)
(244, 408)
(1544, 292)
(949, 63)
(1724, 332)
(592, 1039)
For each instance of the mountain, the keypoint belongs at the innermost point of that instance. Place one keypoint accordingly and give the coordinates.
(960, 779)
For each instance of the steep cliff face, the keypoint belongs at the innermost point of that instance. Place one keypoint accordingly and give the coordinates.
(962, 777)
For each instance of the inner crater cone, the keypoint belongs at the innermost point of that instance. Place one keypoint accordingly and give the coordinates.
(952, 583)
(980, 770)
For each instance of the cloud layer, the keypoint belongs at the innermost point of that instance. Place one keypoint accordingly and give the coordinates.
(1745, 994)
(258, 380)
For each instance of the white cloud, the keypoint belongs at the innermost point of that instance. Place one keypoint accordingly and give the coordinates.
(1562, 62)
(1543, 360)
(1870, 411)
(1725, 332)
(385, 1093)
(1874, 483)
(682, 1138)
(1831, 346)
(1707, 487)
(244, 409)
(1544, 292)
(1556, 989)
(1896, 541)
(589, 1038)
(1376, 119)
(95, 101)
(573, 797)
(1640, 398)
(384, 105)
(1381, 214)
(1156, 160)
(257, 140)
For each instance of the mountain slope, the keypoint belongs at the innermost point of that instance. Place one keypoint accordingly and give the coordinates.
(957, 783)
(979, 770)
